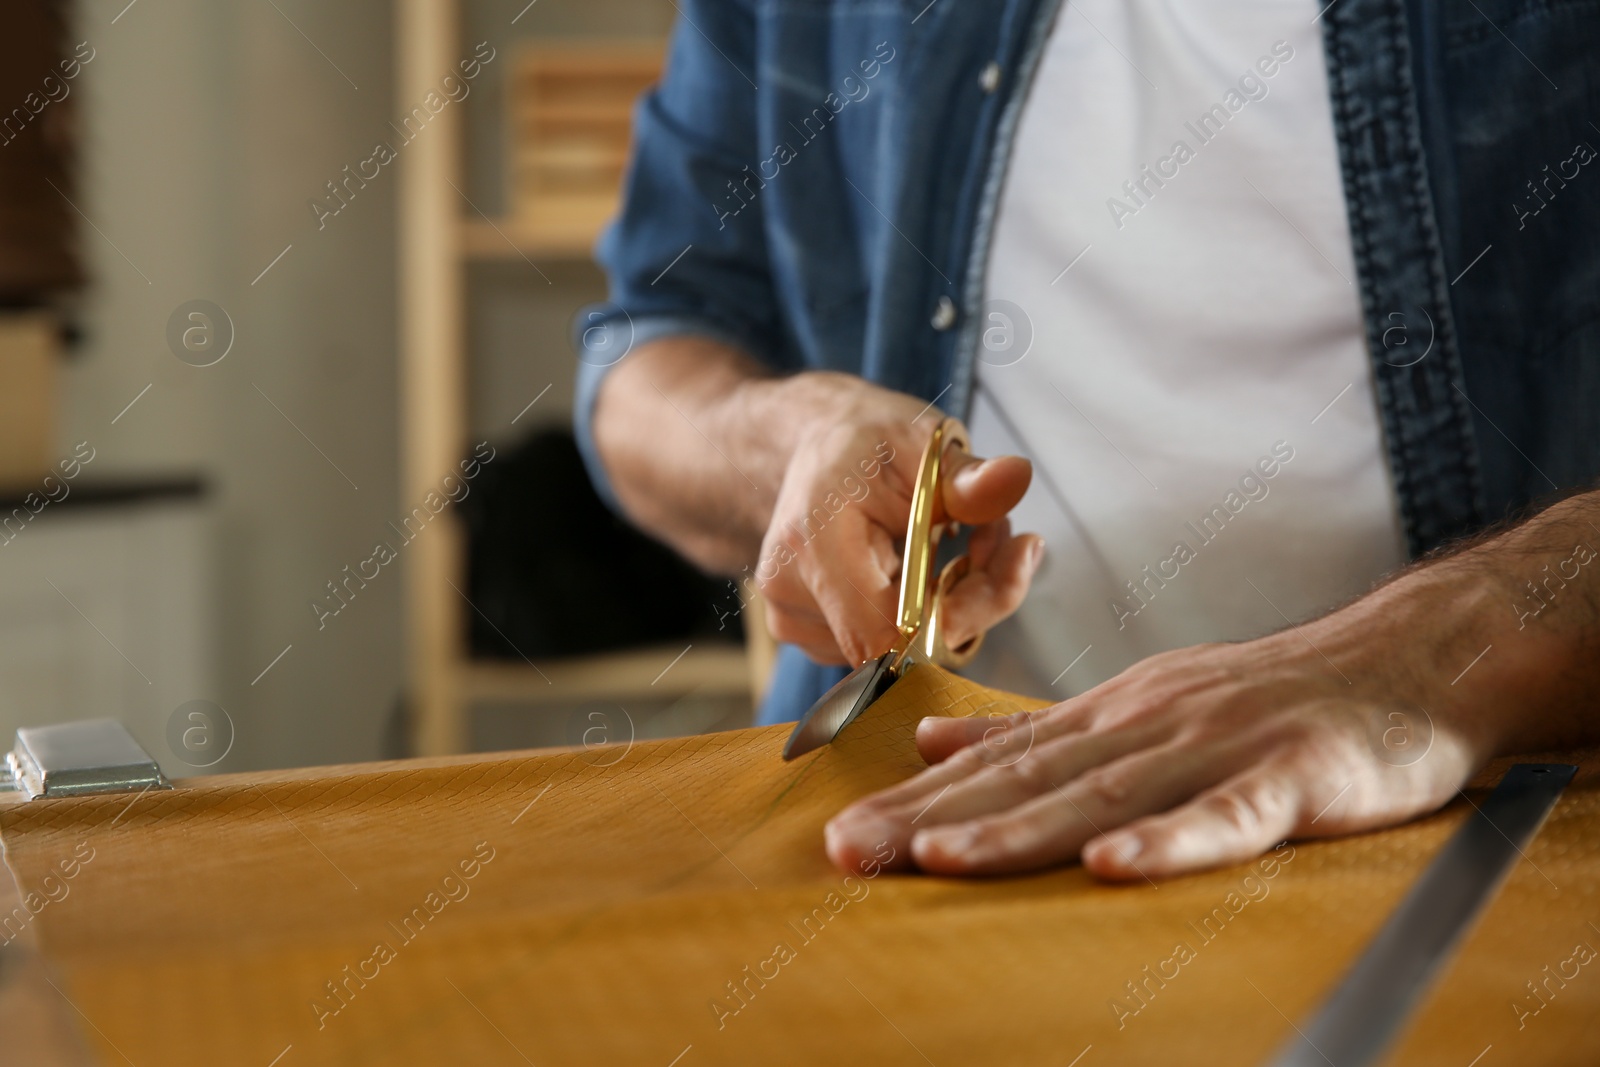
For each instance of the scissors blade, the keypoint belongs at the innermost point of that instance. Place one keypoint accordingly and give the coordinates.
(848, 698)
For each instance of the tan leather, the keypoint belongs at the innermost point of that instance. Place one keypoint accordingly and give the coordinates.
(38, 1027)
(628, 888)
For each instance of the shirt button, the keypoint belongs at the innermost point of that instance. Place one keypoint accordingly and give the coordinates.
(989, 80)
(944, 316)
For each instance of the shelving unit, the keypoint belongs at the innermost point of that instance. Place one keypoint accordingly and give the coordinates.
(558, 236)
(558, 216)
(612, 675)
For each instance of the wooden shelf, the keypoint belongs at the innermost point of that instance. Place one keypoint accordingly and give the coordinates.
(635, 674)
(567, 112)
(563, 228)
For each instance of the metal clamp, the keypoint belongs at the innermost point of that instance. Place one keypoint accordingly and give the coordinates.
(75, 758)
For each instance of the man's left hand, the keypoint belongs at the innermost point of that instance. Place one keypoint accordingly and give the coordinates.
(1210, 755)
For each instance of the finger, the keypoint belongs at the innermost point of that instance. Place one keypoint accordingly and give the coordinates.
(985, 539)
(793, 618)
(884, 552)
(910, 795)
(1054, 826)
(859, 613)
(977, 491)
(991, 592)
(1003, 737)
(793, 613)
(973, 789)
(1231, 823)
(939, 738)
(847, 589)
(996, 740)
(860, 828)
(899, 472)
(811, 634)
(855, 596)
(865, 829)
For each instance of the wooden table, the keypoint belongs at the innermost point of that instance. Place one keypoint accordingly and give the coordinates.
(669, 903)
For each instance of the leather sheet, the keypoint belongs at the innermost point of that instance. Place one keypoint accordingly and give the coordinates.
(669, 903)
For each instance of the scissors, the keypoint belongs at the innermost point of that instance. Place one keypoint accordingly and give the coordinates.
(920, 638)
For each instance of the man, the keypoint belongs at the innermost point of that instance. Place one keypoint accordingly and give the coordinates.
(1275, 296)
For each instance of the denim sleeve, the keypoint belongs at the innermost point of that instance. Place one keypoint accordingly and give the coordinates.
(676, 261)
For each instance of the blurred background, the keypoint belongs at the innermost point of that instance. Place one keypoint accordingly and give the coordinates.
(285, 385)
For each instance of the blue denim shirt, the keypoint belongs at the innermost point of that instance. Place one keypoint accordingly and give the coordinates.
(815, 181)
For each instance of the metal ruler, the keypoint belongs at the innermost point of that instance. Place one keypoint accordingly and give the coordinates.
(1368, 1009)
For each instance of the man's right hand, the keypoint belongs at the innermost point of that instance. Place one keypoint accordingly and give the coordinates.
(728, 464)
(829, 566)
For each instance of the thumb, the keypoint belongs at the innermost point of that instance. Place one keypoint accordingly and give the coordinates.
(977, 491)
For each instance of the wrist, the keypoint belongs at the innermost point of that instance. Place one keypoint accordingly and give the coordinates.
(1447, 623)
(1454, 638)
(1543, 624)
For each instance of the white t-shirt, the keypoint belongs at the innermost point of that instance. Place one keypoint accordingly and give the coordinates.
(1173, 336)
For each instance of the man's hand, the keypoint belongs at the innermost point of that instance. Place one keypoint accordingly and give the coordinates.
(804, 482)
(829, 565)
(1191, 759)
(1210, 755)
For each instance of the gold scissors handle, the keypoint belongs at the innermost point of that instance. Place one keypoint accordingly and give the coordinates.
(921, 597)
(920, 604)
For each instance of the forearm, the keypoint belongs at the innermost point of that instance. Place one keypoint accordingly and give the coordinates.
(695, 442)
(1503, 635)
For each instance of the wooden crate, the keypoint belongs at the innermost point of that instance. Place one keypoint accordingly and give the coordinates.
(570, 119)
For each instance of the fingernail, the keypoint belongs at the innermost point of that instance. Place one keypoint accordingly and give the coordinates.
(968, 476)
(955, 842)
(857, 826)
(1126, 847)
(1036, 556)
